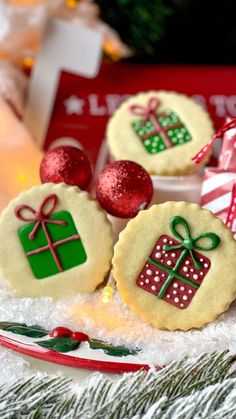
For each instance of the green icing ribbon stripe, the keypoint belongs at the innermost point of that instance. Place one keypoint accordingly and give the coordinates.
(188, 244)
(170, 271)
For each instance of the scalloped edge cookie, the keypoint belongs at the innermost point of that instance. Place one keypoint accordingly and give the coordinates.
(124, 143)
(136, 241)
(93, 226)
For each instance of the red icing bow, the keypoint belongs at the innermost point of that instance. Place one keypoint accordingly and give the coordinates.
(146, 111)
(149, 112)
(232, 210)
(41, 217)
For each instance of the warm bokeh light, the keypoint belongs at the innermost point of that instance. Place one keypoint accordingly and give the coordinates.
(28, 63)
(22, 177)
(93, 311)
(111, 50)
(19, 156)
(72, 3)
(107, 294)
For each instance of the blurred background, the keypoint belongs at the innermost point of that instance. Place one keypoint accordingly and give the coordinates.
(175, 31)
(147, 31)
(181, 45)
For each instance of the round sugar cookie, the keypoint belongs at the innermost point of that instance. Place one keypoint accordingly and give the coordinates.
(175, 266)
(160, 130)
(55, 241)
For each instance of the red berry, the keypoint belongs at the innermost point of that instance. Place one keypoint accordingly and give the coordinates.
(80, 336)
(60, 332)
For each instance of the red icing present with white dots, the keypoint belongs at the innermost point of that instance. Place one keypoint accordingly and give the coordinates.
(183, 279)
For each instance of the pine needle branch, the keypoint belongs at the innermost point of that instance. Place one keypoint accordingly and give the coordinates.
(204, 387)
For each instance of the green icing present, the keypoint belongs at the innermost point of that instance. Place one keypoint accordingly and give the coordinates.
(70, 254)
(154, 142)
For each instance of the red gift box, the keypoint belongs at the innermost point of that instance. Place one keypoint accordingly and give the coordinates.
(186, 280)
(219, 185)
(175, 270)
(217, 191)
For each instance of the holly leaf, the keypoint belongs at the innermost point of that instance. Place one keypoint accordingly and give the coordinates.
(34, 331)
(111, 350)
(60, 344)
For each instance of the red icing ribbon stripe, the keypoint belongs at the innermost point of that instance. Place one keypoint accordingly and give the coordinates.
(41, 218)
(205, 150)
(149, 112)
(232, 209)
(146, 111)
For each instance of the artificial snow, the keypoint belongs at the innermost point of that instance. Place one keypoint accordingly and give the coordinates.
(115, 323)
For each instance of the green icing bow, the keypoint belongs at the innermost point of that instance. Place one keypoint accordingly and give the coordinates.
(190, 243)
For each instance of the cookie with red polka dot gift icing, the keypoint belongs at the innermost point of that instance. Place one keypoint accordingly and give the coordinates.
(55, 241)
(175, 266)
(160, 130)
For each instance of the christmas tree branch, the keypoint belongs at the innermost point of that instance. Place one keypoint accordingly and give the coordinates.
(203, 387)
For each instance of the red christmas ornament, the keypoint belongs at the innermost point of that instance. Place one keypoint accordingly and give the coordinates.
(66, 164)
(124, 188)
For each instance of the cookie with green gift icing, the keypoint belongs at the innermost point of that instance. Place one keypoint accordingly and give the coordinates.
(55, 241)
(160, 130)
(175, 266)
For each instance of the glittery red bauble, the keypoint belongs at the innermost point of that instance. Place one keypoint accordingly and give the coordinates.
(124, 188)
(66, 164)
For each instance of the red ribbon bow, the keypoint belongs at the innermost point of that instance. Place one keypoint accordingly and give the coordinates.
(149, 112)
(232, 210)
(205, 150)
(41, 217)
(146, 111)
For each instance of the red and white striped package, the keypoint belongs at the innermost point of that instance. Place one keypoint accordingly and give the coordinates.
(219, 185)
(217, 191)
